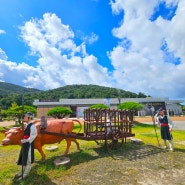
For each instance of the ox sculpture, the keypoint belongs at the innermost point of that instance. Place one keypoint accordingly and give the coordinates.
(59, 126)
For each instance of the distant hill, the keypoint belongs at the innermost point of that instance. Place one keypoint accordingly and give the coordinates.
(10, 93)
(91, 91)
(8, 88)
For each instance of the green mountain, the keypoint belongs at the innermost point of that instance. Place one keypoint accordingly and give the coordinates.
(8, 88)
(10, 93)
(90, 91)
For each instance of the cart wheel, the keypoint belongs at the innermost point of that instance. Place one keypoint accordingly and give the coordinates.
(111, 144)
(111, 141)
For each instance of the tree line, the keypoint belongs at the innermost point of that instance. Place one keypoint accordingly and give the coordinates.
(10, 93)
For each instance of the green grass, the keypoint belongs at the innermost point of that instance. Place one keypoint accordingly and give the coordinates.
(148, 134)
(47, 173)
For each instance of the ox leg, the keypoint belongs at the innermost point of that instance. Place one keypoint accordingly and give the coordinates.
(42, 153)
(68, 140)
(77, 143)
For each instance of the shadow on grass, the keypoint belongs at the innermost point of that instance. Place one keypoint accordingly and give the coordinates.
(128, 151)
(34, 178)
(140, 152)
(76, 158)
(179, 150)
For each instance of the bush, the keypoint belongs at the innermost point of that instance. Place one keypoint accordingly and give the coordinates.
(59, 112)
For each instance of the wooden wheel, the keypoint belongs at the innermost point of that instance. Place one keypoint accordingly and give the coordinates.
(111, 140)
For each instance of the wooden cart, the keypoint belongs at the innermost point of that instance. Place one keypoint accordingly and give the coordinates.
(105, 125)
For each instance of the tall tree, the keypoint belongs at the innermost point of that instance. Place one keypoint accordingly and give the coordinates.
(17, 111)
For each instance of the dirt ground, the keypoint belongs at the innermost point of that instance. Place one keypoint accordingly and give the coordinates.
(6, 123)
(141, 165)
(149, 119)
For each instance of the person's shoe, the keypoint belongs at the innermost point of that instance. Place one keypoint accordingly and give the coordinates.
(20, 178)
(171, 149)
(18, 175)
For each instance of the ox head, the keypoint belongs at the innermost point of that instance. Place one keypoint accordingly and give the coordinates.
(12, 136)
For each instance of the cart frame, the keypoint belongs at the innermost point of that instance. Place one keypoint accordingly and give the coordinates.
(108, 125)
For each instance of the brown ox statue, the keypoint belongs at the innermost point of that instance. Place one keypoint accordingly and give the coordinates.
(64, 126)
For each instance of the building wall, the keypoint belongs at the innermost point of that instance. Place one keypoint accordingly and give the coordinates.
(42, 111)
(174, 109)
(79, 105)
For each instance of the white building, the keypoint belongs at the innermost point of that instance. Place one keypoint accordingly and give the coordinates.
(78, 105)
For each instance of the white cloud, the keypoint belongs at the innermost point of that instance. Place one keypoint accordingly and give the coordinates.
(3, 55)
(174, 32)
(60, 60)
(2, 31)
(139, 63)
(141, 67)
(13, 72)
(90, 39)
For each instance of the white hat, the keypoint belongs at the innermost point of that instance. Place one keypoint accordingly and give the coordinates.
(29, 114)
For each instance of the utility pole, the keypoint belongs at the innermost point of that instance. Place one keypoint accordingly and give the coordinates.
(119, 98)
(0, 115)
(22, 134)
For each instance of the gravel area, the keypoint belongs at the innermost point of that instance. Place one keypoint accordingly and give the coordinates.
(6, 123)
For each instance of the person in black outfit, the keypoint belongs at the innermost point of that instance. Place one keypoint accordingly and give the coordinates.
(166, 126)
(26, 156)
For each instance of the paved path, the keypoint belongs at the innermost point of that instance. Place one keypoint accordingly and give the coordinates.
(179, 122)
(6, 123)
(178, 125)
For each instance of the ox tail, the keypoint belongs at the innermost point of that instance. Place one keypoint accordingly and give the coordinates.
(80, 123)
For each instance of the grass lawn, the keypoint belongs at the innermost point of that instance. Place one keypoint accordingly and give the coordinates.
(129, 164)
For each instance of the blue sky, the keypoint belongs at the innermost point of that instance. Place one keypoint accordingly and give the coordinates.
(134, 45)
